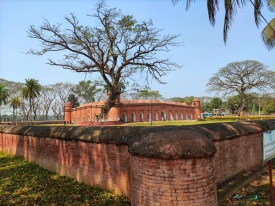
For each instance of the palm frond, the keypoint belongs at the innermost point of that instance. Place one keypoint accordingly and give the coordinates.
(188, 3)
(271, 5)
(258, 4)
(213, 7)
(230, 11)
(268, 35)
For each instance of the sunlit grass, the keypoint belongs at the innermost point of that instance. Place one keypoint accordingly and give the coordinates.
(157, 123)
(172, 123)
(23, 183)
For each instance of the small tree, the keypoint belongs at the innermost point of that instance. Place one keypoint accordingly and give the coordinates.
(74, 100)
(241, 78)
(116, 48)
(30, 91)
(15, 103)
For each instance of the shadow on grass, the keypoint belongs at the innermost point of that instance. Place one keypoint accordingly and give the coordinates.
(24, 183)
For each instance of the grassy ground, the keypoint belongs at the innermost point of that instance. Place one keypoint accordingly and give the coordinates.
(172, 123)
(156, 123)
(23, 183)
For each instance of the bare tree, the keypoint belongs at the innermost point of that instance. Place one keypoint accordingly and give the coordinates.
(48, 95)
(62, 91)
(116, 48)
(241, 78)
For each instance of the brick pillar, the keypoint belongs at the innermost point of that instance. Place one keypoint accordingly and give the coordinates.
(173, 182)
(68, 110)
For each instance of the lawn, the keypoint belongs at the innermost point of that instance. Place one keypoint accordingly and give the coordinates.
(157, 123)
(174, 123)
(24, 183)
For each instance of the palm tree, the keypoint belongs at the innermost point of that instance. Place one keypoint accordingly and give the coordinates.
(4, 95)
(231, 6)
(15, 103)
(30, 91)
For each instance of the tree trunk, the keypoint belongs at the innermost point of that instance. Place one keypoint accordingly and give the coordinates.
(30, 111)
(241, 107)
(16, 115)
(107, 106)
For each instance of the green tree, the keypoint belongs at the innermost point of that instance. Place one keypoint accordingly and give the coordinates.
(146, 94)
(117, 47)
(74, 100)
(86, 91)
(30, 91)
(241, 78)
(205, 104)
(177, 99)
(4, 95)
(216, 103)
(267, 103)
(231, 6)
(15, 103)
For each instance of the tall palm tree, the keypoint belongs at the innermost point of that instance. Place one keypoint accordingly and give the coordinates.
(4, 95)
(231, 6)
(30, 91)
(15, 103)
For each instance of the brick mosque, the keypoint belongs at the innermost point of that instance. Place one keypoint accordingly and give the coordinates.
(133, 111)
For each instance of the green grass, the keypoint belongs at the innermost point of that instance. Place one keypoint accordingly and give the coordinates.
(23, 183)
(158, 123)
(173, 123)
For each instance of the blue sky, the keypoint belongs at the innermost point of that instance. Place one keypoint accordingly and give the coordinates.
(202, 55)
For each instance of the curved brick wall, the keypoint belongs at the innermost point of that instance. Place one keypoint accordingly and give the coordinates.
(173, 182)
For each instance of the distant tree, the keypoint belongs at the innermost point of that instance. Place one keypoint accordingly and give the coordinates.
(205, 103)
(4, 95)
(62, 92)
(116, 48)
(15, 103)
(177, 99)
(48, 95)
(74, 100)
(146, 94)
(267, 103)
(216, 103)
(86, 91)
(31, 91)
(231, 6)
(241, 78)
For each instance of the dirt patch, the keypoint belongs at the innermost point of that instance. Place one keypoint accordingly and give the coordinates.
(255, 193)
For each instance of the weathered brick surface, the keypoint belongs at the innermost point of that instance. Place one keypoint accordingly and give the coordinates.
(237, 155)
(106, 165)
(173, 182)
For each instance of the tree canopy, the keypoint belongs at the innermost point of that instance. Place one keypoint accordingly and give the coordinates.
(74, 100)
(241, 78)
(117, 47)
(31, 91)
(86, 91)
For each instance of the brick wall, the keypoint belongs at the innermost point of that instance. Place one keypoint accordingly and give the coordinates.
(106, 165)
(152, 165)
(241, 154)
(173, 182)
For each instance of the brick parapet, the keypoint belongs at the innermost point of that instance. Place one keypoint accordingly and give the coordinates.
(148, 157)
